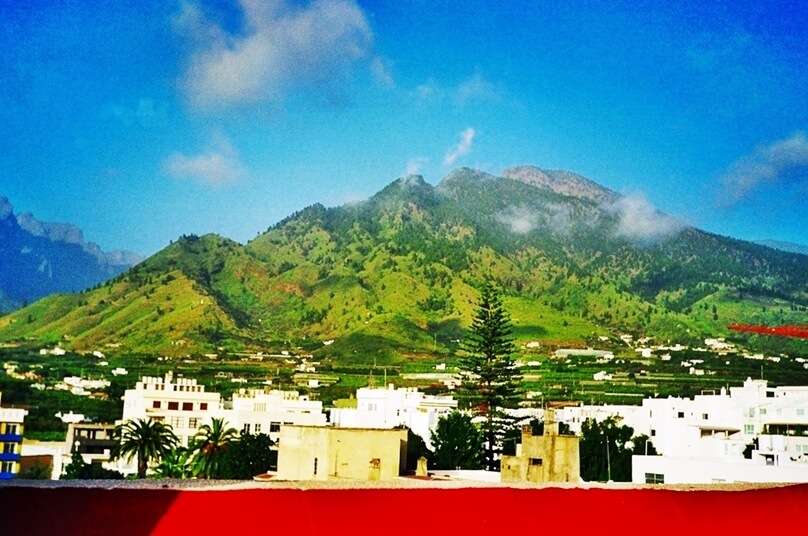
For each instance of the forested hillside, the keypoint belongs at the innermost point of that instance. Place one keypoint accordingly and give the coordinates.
(397, 275)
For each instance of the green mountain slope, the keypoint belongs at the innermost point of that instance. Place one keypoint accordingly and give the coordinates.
(395, 276)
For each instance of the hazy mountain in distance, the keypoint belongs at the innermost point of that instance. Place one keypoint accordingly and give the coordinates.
(790, 247)
(40, 258)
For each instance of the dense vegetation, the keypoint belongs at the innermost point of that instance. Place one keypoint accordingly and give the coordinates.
(396, 277)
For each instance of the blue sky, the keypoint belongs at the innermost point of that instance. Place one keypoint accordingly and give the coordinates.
(143, 121)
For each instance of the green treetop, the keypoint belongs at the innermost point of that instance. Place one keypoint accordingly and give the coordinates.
(491, 380)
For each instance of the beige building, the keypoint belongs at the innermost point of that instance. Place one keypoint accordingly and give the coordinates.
(323, 453)
(546, 458)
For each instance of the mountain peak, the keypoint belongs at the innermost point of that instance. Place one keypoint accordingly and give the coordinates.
(561, 182)
(6, 209)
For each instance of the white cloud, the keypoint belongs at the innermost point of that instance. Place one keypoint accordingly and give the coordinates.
(219, 166)
(473, 89)
(521, 220)
(462, 148)
(639, 220)
(776, 162)
(476, 88)
(282, 47)
(556, 218)
(381, 71)
(414, 165)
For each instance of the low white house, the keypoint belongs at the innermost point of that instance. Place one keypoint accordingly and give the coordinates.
(378, 407)
(260, 411)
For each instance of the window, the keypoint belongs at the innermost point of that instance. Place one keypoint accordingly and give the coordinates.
(11, 429)
(246, 428)
(751, 412)
(193, 422)
(274, 427)
(315, 466)
(258, 428)
(653, 433)
(800, 412)
(176, 422)
(203, 406)
(6, 467)
(187, 406)
(11, 448)
(763, 411)
(749, 429)
(173, 405)
(156, 404)
(654, 478)
(535, 462)
(705, 416)
(680, 415)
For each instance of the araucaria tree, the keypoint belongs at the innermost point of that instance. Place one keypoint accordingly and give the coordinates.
(490, 378)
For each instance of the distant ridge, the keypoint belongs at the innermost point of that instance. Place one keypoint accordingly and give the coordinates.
(790, 247)
(40, 258)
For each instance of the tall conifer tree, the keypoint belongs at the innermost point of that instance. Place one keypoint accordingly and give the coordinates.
(490, 377)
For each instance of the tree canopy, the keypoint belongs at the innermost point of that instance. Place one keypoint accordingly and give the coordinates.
(248, 456)
(458, 443)
(491, 381)
(209, 446)
(606, 448)
(145, 439)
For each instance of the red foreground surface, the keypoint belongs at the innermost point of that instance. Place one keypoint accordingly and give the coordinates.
(466, 511)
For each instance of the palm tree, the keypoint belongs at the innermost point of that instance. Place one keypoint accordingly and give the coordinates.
(145, 439)
(210, 442)
(175, 464)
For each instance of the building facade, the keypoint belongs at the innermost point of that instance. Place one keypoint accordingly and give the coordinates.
(747, 433)
(179, 402)
(12, 424)
(327, 453)
(390, 407)
(260, 411)
(549, 457)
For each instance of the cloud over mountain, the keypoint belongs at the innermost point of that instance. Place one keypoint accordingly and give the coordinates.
(639, 220)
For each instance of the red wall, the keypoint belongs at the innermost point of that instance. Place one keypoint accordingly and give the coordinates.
(383, 512)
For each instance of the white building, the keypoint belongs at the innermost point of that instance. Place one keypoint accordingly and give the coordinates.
(180, 402)
(378, 407)
(259, 411)
(752, 433)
